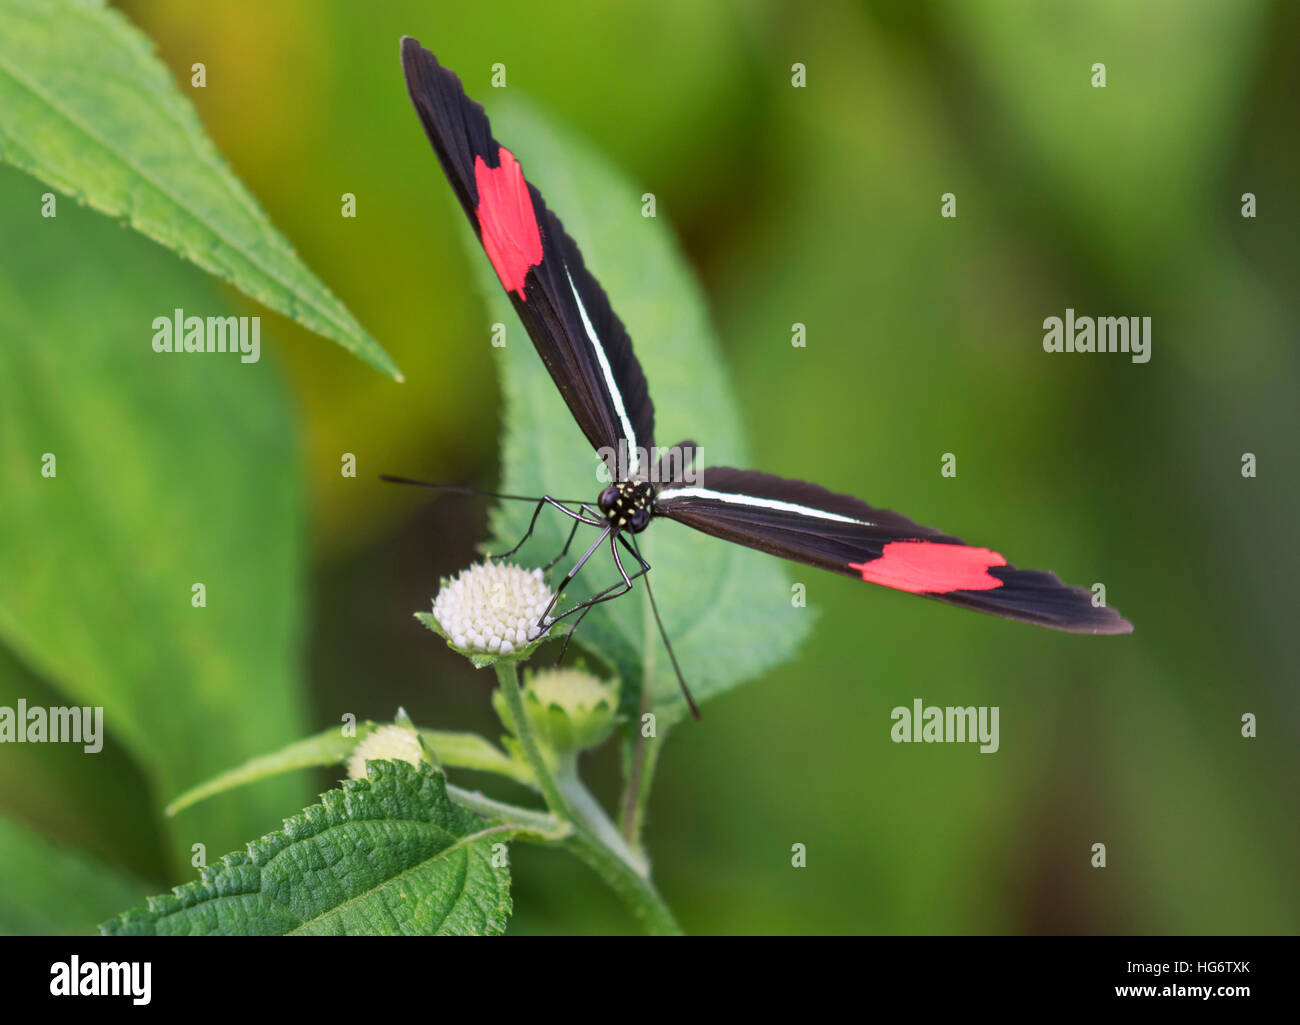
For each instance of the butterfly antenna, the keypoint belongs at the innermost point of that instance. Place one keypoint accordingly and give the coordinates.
(654, 607)
(462, 489)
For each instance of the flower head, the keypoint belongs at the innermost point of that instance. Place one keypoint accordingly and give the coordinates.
(493, 608)
(389, 743)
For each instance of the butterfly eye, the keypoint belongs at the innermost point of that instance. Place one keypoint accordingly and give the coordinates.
(639, 520)
(608, 499)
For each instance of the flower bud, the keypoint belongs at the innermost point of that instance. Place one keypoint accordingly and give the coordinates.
(387, 743)
(569, 710)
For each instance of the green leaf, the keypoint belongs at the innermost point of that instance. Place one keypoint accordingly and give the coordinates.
(726, 609)
(326, 748)
(171, 470)
(49, 889)
(453, 749)
(390, 854)
(87, 107)
(457, 750)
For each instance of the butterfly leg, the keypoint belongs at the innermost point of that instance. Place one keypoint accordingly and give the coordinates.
(663, 633)
(541, 621)
(572, 533)
(613, 590)
(608, 594)
(544, 501)
(618, 590)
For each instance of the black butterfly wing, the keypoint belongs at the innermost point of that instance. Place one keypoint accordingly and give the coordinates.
(565, 311)
(805, 522)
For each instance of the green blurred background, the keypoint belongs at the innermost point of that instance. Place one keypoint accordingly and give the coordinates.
(818, 205)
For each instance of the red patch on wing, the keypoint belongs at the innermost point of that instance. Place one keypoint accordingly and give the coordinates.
(506, 220)
(930, 567)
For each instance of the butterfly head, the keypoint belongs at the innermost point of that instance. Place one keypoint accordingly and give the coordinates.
(627, 505)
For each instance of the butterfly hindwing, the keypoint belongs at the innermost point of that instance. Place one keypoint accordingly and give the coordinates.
(809, 524)
(580, 339)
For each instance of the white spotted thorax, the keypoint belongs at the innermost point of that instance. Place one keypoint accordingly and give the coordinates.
(389, 743)
(493, 607)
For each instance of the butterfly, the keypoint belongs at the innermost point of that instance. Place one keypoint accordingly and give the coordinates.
(588, 353)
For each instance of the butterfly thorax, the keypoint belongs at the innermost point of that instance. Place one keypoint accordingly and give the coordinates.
(627, 506)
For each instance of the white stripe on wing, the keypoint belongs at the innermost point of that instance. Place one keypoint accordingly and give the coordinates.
(731, 498)
(634, 455)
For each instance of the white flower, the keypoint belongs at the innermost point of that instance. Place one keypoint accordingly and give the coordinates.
(493, 607)
(389, 743)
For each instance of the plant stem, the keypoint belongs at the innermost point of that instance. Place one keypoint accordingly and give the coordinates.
(639, 798)
(635, 798)
(508, 677)
(589, 840)
(587, 810)
(636, 891)
(539, 824)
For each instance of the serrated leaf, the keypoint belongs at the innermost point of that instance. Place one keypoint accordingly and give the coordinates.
(390, 854)
(87, 107)
(727, 609)
(453, 749)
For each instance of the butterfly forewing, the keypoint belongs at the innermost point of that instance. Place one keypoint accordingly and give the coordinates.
(809, 524)
(565, 311)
